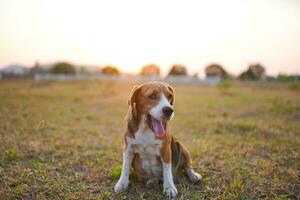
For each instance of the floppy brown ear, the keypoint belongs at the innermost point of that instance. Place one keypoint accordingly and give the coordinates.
(173, 93)
(132, 100)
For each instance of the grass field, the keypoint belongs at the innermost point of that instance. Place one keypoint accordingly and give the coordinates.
(63, 140)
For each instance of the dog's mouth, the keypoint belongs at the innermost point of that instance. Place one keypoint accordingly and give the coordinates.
(156, 126)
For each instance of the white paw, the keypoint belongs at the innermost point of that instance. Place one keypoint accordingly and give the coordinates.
(193, 176)
(121, 185)
(170, 190)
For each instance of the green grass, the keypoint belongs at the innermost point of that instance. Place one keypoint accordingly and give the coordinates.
(63, 140)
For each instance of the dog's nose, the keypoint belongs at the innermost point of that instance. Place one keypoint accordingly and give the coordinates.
(167, 111)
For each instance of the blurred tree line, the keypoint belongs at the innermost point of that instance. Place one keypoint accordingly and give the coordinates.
(254, 71)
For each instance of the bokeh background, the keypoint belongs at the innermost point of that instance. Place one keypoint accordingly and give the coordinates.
(67, 69)
(130, 34)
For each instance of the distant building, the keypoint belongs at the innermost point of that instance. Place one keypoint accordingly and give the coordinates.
(178, 70)
(215, 70)
(150, 70)
(14, 70)
(88, 69)
(254, 72)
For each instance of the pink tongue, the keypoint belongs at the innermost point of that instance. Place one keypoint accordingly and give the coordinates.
(158, 128)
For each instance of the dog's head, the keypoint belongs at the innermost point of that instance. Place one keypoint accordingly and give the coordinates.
(154, 100)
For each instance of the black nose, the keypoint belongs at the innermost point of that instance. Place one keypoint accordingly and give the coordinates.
(167, 111)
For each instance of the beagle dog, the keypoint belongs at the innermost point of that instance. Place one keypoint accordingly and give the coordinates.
(150, 147)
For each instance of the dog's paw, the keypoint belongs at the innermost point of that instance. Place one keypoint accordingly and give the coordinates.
(170, 190)
(121, 185)
(193, 176)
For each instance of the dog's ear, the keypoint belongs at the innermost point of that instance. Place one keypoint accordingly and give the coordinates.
(132, 100)
(173, 93)
(133, 95)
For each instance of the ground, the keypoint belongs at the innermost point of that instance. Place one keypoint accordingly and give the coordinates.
(63, 140)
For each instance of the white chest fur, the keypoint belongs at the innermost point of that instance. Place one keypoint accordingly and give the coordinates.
(148, 147)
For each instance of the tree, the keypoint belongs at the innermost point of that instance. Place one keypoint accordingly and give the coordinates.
(254, 72)
(110, 70)
(178, 70)
(63, 68)
(37, 68)
(150, 70)
(215, 70)
(288, 78)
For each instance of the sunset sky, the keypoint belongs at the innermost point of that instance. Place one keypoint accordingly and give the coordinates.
(131, 33)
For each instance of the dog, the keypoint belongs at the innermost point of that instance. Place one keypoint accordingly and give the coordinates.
(150, 148)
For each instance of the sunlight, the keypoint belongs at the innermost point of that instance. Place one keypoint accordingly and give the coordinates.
(132, 33)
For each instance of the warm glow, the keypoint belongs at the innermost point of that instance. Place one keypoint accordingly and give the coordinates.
(131, 33)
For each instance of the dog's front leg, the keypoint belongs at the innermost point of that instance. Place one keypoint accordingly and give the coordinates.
(169, 186)
(124, 178)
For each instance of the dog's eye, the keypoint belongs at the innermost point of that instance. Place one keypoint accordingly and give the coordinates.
(170, 96)
(152, 96)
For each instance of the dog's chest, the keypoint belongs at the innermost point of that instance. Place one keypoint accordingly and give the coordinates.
(148, 147)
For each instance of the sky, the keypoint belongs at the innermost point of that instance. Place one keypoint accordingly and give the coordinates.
(132, 33)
